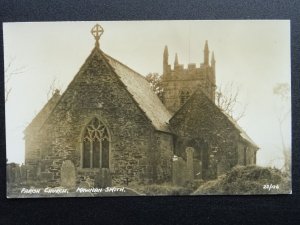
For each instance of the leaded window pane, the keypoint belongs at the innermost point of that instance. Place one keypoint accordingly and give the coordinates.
(96, 154)
(95, 144)
(105, 153)
(86, 154)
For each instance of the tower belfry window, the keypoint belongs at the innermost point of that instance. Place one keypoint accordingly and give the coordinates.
(184, 96)
(95, 151)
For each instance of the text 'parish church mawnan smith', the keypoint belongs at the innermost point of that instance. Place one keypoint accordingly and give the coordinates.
(109, 117)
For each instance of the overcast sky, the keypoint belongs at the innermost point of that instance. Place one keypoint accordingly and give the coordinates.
(254, 55)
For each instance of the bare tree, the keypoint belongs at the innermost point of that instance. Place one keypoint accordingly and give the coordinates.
(283, 91)
(227, 98)
(54, 87)
(10, 71)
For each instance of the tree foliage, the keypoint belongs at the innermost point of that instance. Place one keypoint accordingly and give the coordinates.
(283, 92)
(227, 96)
(248, 180)
(155, 83)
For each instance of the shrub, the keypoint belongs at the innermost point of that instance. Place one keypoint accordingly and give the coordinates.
(248, 180)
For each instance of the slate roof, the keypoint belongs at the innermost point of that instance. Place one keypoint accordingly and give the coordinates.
(136, 85)
(139, 88)
(243, 133)
(44, 113)
(142, 93)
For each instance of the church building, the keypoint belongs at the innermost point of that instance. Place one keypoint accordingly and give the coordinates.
(109, 117)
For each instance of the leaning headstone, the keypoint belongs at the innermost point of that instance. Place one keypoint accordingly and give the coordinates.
(179, 171)
(103, 178)
(189, 164)
(68, 174)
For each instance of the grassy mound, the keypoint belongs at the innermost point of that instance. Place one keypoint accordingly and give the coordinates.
(248, 180)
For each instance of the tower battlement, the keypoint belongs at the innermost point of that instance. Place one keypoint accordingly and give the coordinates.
(182, 72)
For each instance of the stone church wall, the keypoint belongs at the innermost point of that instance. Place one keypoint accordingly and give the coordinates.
(173, 89)
(96, 92)
(164, 154)
(246, 154)
(181, 82)
(202, 126)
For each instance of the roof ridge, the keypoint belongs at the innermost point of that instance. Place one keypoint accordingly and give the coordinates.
(42, 110)
(243, 133)
(158, 118)
(149, 104)
(189, 99)
(110, 57)
(61, 96)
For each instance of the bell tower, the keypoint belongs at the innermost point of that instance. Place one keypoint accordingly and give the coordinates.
(206, 54)
(165, 60)
(179, 83)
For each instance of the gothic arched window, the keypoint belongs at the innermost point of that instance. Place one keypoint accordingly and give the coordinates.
(184, 95)
(95, 150)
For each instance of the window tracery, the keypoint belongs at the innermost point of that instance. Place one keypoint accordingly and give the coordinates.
(95, 145)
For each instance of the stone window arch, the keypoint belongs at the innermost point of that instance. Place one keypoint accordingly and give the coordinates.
(95, 145)
(184, 96)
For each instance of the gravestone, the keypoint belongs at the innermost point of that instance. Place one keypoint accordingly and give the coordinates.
(38, 170)
(17, 174)
(68, 174)
(189, 164)
(178, 171)
(9, 174)
(13, 173)
(103, 178)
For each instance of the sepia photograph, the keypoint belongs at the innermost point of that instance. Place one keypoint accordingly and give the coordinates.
(147, 108)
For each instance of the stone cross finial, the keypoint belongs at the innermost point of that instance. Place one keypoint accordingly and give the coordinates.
(97, 31)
